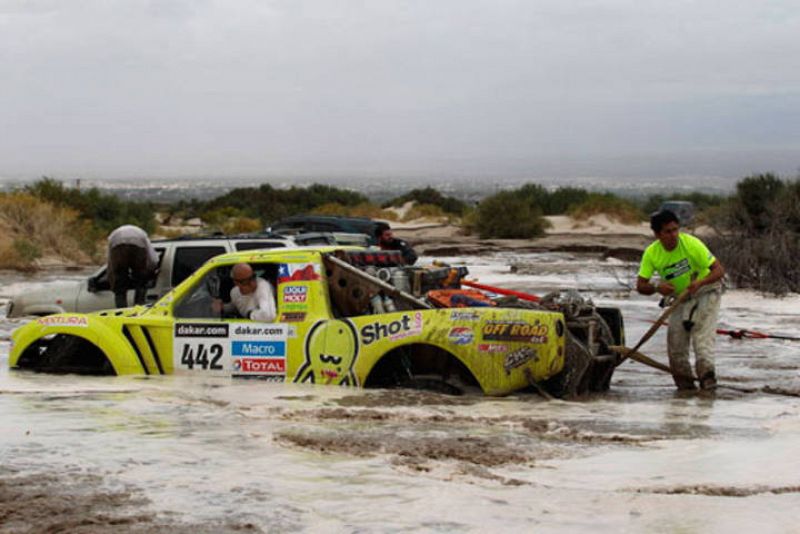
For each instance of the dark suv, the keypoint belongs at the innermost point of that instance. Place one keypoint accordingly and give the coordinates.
(300, 224)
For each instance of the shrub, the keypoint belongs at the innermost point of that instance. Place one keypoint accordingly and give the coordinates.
(27, 251)
(431, 196)
(509, 215)
(32, 228)
(242, 225)
(758, 238)
(270, 204)
(426, 211)
(104, 211)
(365, 209)
(613, 207)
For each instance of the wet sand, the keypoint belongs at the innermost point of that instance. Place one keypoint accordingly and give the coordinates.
(132, 454)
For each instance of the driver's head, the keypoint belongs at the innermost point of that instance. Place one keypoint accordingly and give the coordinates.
(244, 278)
(383, 233)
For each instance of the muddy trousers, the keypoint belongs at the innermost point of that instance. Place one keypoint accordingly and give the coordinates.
(127, 269)
(695, 322)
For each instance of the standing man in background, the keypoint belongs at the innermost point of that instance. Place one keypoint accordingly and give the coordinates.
(387, 241)
(131, 258)
(685, 264)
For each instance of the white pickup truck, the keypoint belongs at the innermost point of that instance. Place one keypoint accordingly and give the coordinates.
(178, 258)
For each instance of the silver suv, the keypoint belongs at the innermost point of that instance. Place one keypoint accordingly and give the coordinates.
(178, 258)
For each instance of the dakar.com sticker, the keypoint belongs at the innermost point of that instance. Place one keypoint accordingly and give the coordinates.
(460, 335)
(62, 320)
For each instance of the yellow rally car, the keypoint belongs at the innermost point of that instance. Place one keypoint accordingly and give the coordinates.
(346, 316)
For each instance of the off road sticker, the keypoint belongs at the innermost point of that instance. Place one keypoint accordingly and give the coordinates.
(515, 331)
(331, 350)
(237, 349)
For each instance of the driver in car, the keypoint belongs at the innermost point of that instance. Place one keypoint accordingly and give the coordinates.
(252, 297)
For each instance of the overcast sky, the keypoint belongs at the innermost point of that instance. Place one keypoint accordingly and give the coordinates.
(538, 88)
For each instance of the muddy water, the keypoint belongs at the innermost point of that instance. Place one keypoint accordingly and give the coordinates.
(86, 454)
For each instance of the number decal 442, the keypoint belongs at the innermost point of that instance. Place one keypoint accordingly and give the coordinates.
(200, 356)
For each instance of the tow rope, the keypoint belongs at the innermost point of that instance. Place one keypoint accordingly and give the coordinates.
(501, 291)
(650, 362)
(743, 333)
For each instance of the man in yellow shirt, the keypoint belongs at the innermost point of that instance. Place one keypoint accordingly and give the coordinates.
(684, 264)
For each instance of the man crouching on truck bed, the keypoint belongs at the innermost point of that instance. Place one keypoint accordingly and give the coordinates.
(685, 264)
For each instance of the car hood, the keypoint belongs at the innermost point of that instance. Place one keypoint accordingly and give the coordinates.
(48, 298)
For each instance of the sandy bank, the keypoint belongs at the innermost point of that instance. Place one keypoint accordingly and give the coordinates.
(597, 234)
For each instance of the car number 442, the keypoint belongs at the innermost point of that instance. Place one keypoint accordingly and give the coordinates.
(202, 356)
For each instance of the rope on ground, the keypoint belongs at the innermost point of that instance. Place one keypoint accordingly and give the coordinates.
(646, 360)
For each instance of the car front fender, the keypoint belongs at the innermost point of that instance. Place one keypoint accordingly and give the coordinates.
(112, 343)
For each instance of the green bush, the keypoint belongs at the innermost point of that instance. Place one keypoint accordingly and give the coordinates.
(758, 238)
(27, 251)
(270, 204)
(104, 211)
(509, 215)
(429, 195)
(614, 207)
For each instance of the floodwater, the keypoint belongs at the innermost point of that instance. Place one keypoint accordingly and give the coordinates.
(90, 454)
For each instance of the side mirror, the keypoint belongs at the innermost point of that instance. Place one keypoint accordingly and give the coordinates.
(91, 285)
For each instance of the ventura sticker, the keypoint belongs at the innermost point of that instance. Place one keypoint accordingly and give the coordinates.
(63, 320)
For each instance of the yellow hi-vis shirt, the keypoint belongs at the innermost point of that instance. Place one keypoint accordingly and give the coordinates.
(689, 260)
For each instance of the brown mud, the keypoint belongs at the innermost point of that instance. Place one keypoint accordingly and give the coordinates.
(721, 491)
(83, 503)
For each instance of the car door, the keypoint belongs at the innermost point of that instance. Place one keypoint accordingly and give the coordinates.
(95, 293)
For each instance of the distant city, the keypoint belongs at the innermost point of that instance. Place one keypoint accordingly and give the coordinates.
(379, 189)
